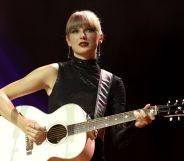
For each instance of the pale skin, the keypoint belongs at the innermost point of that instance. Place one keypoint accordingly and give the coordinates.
(84, 42)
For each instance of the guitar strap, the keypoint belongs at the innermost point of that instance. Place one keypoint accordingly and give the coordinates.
(103, 93)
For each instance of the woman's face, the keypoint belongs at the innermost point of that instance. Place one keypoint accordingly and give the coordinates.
(84, 42)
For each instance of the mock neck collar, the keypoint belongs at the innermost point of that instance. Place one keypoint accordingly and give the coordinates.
(85, 62)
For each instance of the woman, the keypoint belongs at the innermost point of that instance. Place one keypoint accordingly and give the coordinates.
(75, 81)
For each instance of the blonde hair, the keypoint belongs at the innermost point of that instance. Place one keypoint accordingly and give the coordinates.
(83, 18)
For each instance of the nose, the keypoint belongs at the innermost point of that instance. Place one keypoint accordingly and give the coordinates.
(82, 35)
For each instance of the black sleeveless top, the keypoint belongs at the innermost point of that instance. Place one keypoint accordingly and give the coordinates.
(77, 82)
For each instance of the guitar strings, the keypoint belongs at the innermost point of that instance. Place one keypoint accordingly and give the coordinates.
(100, 122)
(81, 127)
(89, 124)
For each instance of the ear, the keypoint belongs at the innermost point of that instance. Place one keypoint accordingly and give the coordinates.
(101, 37)
(68, 41)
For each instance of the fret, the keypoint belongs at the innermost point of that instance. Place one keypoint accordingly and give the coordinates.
(106, 121)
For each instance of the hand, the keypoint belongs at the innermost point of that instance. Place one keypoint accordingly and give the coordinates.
(143, 119)
(34, 131)
(92, 134)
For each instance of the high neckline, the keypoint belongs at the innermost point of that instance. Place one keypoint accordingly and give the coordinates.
(85, 62)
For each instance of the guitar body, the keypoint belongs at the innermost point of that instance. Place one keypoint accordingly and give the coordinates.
(67, 129)
(68, 148)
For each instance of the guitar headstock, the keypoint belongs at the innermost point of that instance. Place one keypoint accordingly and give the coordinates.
(172, 111)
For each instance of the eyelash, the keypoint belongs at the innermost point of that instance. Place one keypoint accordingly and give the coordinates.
(88, 30)
(74, 31)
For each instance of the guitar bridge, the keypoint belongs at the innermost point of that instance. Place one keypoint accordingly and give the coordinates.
(29, 146)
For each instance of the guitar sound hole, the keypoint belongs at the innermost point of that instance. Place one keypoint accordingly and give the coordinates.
(56, 133)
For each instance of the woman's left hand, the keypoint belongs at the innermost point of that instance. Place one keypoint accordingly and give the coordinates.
(143, 119)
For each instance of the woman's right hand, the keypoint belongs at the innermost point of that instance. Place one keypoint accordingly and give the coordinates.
(34, 131)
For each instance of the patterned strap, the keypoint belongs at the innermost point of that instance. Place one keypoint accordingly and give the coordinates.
(103, 92)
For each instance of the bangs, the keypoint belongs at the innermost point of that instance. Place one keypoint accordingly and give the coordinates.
(78, 20)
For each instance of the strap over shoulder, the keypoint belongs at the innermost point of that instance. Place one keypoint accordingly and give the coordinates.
(103, 93)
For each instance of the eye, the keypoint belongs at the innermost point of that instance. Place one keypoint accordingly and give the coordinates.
(90, 30)
(73, 31)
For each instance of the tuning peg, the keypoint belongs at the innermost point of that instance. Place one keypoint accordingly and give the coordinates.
(182, 102)
(170, 119)
(168, 103)
(176, 102)
(179, 118)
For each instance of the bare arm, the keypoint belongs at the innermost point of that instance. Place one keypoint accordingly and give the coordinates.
(41, 78)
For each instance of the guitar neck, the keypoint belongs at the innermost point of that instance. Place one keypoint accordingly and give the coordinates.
(107, 121)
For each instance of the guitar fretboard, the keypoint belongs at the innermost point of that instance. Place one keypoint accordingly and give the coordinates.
(107, 121)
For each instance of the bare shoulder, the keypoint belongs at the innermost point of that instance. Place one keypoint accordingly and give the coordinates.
(53, 66)
(48, 68)
(50, 75)
(41, 78)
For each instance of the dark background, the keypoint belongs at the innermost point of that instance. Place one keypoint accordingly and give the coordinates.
(143, 45)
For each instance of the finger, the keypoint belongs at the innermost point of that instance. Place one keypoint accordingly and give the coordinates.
(151, 116)
(30, 130)
(147, 106)
(137, 115)
(141, 124)
(148, 120)
(39, 128)
(142, 114)
(38, 142)
(32, 134)
(92, 134)
(31, 138)
(38, 138)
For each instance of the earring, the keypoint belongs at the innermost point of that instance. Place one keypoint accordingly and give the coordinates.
(69, 54)
(99, 51)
